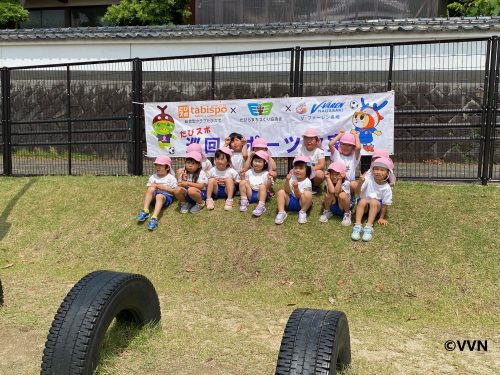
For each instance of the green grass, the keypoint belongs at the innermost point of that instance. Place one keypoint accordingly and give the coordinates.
(227, 282)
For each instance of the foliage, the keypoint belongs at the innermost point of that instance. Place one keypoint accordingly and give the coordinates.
(148, 13)
(474, 8)
(11, 12)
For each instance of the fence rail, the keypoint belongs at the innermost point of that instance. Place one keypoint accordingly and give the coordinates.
(87, 118)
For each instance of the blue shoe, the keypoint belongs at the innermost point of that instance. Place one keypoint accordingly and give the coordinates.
(153, 223)
(367, 233)
(356, 232)
(143, 215)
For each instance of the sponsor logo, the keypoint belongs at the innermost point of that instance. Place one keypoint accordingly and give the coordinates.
(260, 109)
(301, 109)
(327, 106)
(186, 111)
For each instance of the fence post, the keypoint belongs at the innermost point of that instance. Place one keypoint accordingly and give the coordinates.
(297, 74)
(68, 115)
(493, 127)
(137, 107)
(490, 110)
(212, 83)
(7, 150)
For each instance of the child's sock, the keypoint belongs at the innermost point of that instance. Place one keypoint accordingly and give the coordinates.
(154, 217)
(146, 211)
(262, 203)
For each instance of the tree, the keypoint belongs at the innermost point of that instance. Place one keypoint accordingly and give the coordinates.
(11, 12)
(148, 12)
(474, 8)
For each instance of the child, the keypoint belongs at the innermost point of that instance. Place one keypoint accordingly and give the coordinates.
(297, 194)
(383, 153)
(311, 147)
(238, 144)
(256, 183)
(161, 188)
(222, 179)
(349, 153)
(260, 144)
(191, 184)
(206, 164)
(338, 195)
(375, 196)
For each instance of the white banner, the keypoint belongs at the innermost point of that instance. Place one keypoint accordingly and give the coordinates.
(171, 126)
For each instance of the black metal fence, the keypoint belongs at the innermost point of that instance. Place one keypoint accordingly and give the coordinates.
(87, 118)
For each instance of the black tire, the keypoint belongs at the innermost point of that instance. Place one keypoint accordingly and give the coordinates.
(81, 322)
(1, 293)
(314, 342)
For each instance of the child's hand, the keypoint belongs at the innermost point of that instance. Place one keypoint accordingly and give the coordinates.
(295, 183)
(289, 176)
(244, 141)
(154, 185)
(221, 182)
(382, 222)
(327, 174)
(183, 184)
(184, 176)
(354, 132)
(273, 174)
(227, 141)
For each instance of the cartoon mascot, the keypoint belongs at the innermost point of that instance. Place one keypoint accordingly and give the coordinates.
(365, 120)
(163, 126)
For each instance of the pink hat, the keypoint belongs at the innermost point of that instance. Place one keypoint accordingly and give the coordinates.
(380, 153)
(311, 132)
(263, 155)
(303, 158)
(163, 160)
(337, 166)
(226, 150)
(348, 139)
(194, 155)
(384, 163)
(259, 142)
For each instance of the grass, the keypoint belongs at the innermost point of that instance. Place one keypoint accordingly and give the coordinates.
(227, 282)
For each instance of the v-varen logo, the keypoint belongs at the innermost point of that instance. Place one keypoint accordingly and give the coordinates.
(260, 109)
(186, 111)
(469, 345)
(326, 107)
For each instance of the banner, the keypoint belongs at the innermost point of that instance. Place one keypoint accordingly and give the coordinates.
(171, 126)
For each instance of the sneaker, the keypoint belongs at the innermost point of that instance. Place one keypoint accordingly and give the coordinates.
(153, 223)
(325, 216)
(259, 210)
(367, 233)
(280, 218)
(185, 206)
(229, 204)
(244, 205)
(302, 217)
(142, 216)
(346, 221)
(210, 204)
(356, 232)
(197, 208)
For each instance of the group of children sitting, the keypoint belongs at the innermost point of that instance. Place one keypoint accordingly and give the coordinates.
(252, 174)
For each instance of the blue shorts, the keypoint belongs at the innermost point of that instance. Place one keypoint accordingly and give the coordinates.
(336, 210)
(168, 198)
(192, 201)
(255, 197)
(293, 203)
(220, 193)
(379, 209)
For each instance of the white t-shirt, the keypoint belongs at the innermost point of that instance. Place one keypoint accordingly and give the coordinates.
(370, 189)
(237, 161)
(350, 162)
(304, 185)
(314, 155)
(256, 179)
(168, 180)
(221, 175)
(202, 178)
(206, 165)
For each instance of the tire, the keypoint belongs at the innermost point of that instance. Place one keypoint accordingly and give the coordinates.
(314, 342)
(81, 322)
(1, 293)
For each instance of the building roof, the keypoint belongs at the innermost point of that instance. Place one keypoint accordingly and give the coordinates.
(434, 25)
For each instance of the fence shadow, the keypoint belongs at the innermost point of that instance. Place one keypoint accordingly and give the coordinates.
(4, 225)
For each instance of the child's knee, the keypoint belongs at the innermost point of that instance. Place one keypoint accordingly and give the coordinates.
(191, 191)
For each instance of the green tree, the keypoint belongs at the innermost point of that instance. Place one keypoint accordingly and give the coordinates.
(148, 12)
(11, 12)
(474, 8)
